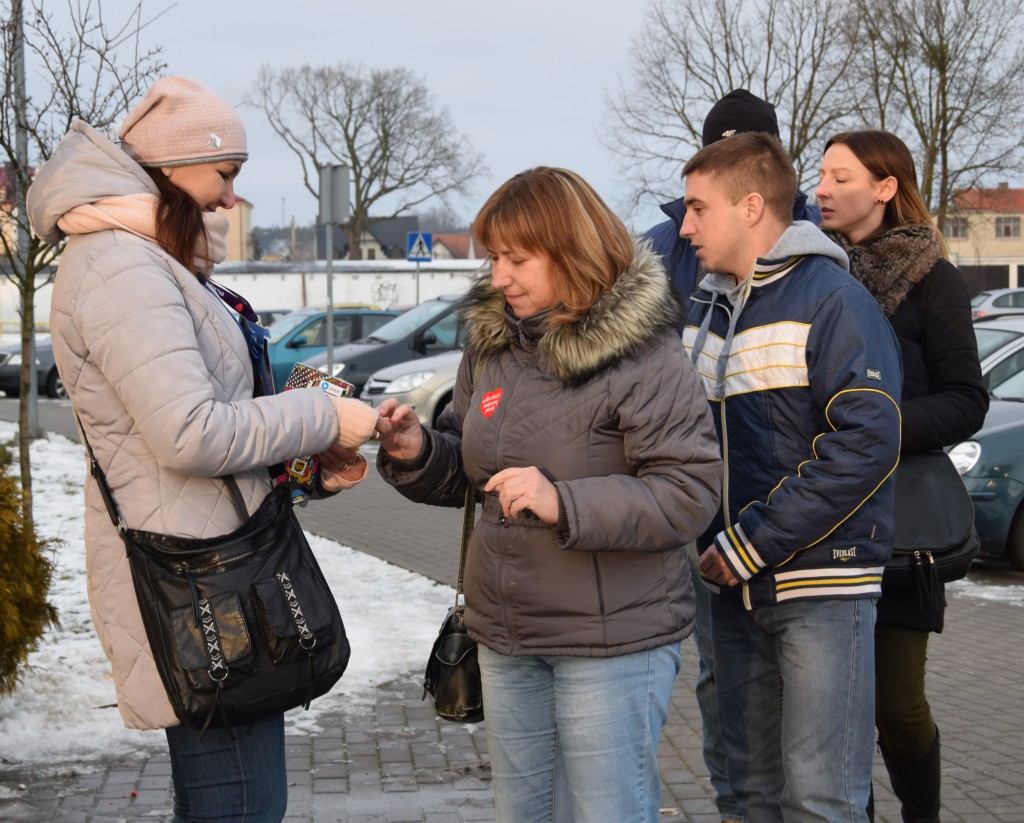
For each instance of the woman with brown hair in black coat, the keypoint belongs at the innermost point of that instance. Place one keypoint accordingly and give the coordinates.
(871, 206)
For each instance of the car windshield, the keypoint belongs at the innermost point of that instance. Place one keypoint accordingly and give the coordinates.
(403, 325)
(988, 339)
(979, 298)
(279, 328)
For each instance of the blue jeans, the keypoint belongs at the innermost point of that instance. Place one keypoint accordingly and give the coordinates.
(707, 699)
(240, 780)
(575, 739)
(796, 699)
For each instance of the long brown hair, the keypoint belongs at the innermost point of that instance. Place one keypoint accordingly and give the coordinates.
(555, 211)
(180, 230)
(885, 155)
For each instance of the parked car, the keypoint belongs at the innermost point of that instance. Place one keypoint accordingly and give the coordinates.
(997, 302)
(270, 316)
(991, 462)
(1001, 348)
(432, 327)
(301, 335)
(992, 466)
(50, 383)
(424, 384)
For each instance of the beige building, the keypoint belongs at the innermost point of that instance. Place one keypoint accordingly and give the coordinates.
(239, 230)
(985, 238)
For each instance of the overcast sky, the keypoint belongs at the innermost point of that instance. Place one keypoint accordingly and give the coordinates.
(525, 81)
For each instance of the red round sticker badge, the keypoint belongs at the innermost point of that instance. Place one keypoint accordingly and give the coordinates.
(490, 402)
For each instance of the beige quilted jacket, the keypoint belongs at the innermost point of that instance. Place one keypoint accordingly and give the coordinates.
(160, 377)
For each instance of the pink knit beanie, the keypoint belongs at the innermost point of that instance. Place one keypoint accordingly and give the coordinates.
(181, 123)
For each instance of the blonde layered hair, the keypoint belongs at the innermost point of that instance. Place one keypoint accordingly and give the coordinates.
(556, 212)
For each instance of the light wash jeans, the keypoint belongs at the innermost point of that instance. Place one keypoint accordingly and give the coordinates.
(575, 739)
(230, 780)
(804, 755)
(707, 698)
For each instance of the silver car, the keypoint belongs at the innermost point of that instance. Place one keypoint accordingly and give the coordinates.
(50, 384)
(997, 303)
(425, 384)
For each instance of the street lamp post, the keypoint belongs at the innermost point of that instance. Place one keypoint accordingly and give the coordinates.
(333, 210)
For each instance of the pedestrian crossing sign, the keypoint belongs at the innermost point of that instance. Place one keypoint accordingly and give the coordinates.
(420, 247)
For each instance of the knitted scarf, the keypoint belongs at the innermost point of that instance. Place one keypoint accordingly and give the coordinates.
(890, 264)
(136, 213)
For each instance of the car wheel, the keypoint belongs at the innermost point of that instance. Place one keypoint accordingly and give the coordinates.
(1015, 541)
(442, 404)
(55, 386)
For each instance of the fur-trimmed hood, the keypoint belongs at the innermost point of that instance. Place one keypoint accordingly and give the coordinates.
(625, 317)
(891, 264)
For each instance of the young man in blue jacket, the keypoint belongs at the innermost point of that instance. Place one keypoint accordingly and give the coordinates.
(803, 375)
(738, 112)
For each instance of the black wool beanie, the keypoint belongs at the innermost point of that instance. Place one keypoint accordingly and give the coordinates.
(739, 111)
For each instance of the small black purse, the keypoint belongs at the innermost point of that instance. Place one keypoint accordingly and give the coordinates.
(242, 625)
(935, 536)
(452, 675)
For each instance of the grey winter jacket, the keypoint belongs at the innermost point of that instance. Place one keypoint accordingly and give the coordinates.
(611, 410)
(160, 377)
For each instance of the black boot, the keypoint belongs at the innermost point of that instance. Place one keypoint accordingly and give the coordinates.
(916, 782)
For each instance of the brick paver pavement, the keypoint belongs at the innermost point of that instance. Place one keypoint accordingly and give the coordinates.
(397, 764)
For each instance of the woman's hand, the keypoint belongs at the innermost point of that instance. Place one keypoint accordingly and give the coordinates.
(341, 468)
(401, 435)
(525, 488)
(356, 422)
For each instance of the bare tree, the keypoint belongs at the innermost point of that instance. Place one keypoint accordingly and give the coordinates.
(689, 55)
(400, 148)
(946, 76)
(81, 68)
(442, 218)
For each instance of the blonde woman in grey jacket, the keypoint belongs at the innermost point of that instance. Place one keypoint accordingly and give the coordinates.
(581, 422)
(162, 375)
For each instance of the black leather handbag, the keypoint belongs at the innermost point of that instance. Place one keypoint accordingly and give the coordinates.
(240, 626)
(452, 676)
(935, 535)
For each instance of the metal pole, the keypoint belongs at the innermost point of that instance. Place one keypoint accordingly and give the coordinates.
(417, 282)
(22, 240)
(330, 297)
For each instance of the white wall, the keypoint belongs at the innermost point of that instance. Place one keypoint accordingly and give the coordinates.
(293, 285)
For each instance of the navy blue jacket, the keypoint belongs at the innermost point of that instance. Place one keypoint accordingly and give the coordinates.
(677, 253)
(803, 374)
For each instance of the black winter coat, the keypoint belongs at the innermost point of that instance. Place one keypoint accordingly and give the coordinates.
(944, 399)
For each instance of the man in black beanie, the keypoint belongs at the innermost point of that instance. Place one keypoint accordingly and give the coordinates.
(738, 111)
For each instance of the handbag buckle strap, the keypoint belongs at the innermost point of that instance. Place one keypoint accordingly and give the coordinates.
(218, 669)
(306, 637)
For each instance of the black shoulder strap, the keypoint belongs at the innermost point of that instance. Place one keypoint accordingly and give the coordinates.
(108, 495)
(469, 510)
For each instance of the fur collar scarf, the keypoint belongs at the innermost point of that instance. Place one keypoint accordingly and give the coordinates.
(891, 264)
(625, 317)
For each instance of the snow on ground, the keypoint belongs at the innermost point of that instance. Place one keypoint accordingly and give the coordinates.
(63, 709)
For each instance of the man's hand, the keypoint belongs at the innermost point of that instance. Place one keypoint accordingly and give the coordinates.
(714, 568)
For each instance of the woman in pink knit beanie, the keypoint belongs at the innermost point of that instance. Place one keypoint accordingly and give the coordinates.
(167, 374)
